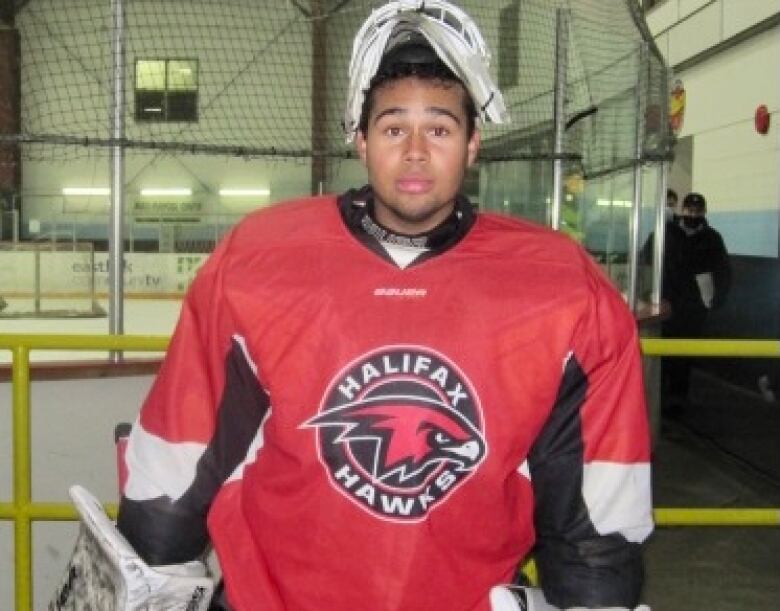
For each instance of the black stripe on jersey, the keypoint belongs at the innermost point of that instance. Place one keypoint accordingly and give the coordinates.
(578, 567)
(166, 532)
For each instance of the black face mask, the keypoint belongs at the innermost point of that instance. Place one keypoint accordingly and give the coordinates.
(692, 222)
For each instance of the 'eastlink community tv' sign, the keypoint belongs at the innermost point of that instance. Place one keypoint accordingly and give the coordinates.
(71, 273)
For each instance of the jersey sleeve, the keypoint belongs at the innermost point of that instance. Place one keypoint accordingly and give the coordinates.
(195, 427)
(590, 466)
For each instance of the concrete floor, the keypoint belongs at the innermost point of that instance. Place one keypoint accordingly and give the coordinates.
(722, 451)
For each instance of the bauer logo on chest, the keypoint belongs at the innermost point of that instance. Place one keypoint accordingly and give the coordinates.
(399, 429)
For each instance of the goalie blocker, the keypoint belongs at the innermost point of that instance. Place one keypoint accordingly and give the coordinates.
(106, 573)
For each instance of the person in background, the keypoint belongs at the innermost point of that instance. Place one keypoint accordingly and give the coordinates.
(672, 199)
(672, 232)
(673, 236)
(696, 280)
(386, 400)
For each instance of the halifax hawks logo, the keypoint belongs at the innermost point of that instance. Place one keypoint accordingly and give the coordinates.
(398, 430)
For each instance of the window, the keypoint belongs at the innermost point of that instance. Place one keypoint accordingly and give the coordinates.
(166, 90)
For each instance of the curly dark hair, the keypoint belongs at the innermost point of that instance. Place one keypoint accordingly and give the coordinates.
(428, 71)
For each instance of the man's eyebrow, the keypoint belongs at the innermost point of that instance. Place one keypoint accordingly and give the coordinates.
(432, 110)
(393, 110)
(437, 110)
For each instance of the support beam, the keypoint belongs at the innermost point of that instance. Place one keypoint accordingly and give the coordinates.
(319, 95)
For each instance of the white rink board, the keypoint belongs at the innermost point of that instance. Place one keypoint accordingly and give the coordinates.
(67, 272)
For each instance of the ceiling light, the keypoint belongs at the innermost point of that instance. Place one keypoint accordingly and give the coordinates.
(86, 191)
(245, 192)
(165, 192)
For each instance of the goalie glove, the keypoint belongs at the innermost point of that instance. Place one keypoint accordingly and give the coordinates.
(519, 598)
(106, 573)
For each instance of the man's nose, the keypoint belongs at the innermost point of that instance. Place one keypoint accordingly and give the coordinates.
(416, 146)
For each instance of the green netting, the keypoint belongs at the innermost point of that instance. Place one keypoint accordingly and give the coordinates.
(270, 78)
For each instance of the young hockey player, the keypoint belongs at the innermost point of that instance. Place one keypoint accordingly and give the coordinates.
(385, 400)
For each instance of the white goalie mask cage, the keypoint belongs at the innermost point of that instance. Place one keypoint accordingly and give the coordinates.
(451, 33)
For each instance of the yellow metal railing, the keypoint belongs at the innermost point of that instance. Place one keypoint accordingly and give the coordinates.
(732, 348)
(22, 510)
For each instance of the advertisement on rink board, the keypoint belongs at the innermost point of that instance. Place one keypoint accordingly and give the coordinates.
(69, 273)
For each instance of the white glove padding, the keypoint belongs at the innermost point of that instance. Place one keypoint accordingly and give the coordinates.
(519, 598)
(106, 573)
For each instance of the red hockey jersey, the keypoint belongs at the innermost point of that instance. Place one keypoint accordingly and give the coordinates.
(360, 436)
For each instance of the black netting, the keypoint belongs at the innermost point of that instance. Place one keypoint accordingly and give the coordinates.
(238, 78)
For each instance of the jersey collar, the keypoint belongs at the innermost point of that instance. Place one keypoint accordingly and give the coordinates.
(357, 211)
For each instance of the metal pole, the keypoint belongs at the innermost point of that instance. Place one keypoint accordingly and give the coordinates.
(15, 224)
(559, 118)
(37, 281)
(117, 157)
(319, 94)
(636, 208)
(660, 234)
(91, 284)
(611, 231)
(22, 476)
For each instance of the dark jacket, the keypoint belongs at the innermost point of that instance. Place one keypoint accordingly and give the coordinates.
(686, 256)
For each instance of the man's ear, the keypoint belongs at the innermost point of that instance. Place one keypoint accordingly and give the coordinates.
(360, 145)
(473, 147)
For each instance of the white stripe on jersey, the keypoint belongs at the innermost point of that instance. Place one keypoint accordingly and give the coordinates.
(618, 498)
(524, 470)
(156, 467)
(252, 450)
(241, 341)
(566, 360)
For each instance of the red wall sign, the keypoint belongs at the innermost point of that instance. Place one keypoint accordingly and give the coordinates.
(762, 119)
(677, 107)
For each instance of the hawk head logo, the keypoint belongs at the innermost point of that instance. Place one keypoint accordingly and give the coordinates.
(399, 434)
(403, 424)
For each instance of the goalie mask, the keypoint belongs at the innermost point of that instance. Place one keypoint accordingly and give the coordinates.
(416, 32)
